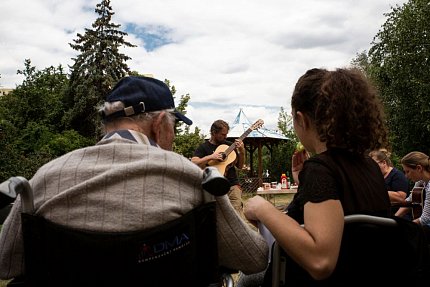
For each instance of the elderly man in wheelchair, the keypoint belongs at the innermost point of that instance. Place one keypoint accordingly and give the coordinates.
(127, 211)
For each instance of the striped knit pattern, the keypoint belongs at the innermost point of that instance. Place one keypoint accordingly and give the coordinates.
(120, 185)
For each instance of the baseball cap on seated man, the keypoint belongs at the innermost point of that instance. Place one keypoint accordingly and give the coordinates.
(140, 95)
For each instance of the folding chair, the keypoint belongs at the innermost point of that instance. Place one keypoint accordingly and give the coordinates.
(375, 251)
(182, 252)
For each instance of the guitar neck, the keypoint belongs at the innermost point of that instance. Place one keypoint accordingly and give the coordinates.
(233, 145)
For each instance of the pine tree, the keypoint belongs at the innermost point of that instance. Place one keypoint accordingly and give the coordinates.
(95, 70)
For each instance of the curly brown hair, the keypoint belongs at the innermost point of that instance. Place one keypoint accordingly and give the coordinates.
(345, 108)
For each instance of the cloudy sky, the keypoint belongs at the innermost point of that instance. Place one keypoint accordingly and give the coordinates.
(227, 54)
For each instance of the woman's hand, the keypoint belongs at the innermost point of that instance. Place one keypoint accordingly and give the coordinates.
(297, 163)
(253, 206)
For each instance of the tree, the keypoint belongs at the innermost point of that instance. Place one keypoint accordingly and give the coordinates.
(31, 130)
(97, 68)
(181, 107)
(362, 62)
(185, 143)
(284, 150)
(400, 61)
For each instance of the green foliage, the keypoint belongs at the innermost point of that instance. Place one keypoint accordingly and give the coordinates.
(38, 99)
(30, 120)
(285, 125)
(181, 107)
(186, 142)
(399, 64)
(279, 160)
(97, 68)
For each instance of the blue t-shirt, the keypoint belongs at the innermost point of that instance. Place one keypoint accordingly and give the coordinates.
(396, 181)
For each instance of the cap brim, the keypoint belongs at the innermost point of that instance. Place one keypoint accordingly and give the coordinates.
(183, 118)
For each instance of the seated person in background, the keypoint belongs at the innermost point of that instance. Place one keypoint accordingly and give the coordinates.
(396, 182)
(339, 179)
(417, 168)
(130, 180)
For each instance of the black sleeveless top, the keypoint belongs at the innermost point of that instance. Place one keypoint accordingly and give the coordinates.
(336, 174)
(355, 180)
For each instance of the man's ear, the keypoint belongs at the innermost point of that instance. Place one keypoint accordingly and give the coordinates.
(156, 126)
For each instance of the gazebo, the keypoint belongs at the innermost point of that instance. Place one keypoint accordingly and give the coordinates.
(255, 141)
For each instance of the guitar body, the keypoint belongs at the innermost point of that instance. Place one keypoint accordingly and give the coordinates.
(417, 202)
(228, 161)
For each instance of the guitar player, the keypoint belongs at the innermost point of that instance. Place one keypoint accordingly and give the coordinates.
(416, 166)
(207, 154)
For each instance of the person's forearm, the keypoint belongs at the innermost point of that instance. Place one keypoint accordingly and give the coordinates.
(201, 162)
(397, 196)
(402, 211)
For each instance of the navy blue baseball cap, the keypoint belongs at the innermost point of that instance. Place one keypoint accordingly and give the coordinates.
(142, 94)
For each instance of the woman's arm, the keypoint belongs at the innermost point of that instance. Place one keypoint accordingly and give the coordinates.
(315, 247)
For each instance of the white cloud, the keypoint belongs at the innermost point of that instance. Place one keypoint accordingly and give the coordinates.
(226, 54)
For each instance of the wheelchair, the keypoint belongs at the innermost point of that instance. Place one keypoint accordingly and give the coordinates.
(182, 252)
(375, 251)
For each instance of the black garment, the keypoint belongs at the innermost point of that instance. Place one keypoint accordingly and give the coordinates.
(338, 174)
(366, 258)
(207, 148)
(395, 181)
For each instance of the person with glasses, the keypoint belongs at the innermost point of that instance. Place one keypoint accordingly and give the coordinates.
(396, 183)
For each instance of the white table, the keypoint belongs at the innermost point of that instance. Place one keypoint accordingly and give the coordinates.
(270, 194)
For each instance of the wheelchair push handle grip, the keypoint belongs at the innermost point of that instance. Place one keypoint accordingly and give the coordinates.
(17, 185)
(215, 183)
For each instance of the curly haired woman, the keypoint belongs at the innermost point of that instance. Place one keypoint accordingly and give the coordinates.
(338, 117)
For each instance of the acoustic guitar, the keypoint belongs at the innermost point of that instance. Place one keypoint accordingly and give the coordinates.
(417, 201)
(229, 157)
